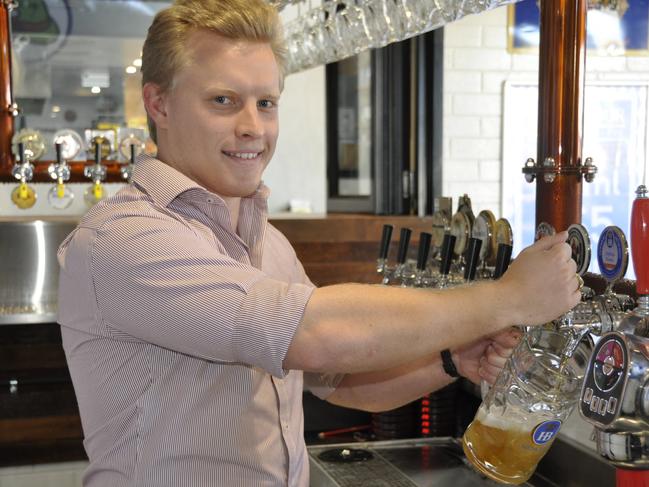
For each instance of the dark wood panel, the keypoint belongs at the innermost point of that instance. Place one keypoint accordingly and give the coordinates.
(22, 430)
(347, 228)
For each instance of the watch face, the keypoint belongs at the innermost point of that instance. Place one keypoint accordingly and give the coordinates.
(32, 141)
(612, 253)
(504, 233)
(441, 226)
(579, 242)
(544, 230)
(460, 229)
(71, 143)
(484, 229)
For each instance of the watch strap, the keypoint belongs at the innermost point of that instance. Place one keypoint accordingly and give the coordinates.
(448, 364)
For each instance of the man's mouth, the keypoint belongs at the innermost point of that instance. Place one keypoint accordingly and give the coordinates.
(246, 155)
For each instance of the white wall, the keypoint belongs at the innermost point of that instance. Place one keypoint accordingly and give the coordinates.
(298, 169)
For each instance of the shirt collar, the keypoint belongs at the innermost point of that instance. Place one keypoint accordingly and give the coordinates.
(164, 183)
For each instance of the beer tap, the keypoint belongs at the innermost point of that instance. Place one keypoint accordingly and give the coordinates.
(421, 279)
(60, 196)
(382, 261)
(23, 196)
(441, 226)
(401, 269)
(615, 394)
(579, 242)
(127, 169)
(96, 172)
(472, 257)
(484, 228)
(448, 248)
(613, 260)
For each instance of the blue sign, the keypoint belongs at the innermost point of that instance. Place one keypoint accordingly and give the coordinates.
(546, 431)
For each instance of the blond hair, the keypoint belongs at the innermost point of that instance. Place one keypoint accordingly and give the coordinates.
(164, 51)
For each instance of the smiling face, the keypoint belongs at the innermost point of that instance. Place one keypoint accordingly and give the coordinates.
(218, 124)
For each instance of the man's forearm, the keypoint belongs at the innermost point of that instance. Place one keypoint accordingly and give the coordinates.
(389, 389)
(357, 328)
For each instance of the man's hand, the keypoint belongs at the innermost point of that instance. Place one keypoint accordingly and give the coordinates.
(485, 358)
(541, 284)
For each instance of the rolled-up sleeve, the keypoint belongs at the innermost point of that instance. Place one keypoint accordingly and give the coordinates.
(158, 281)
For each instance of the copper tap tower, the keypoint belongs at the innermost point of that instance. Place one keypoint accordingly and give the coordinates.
(561, 93)
(6, 100)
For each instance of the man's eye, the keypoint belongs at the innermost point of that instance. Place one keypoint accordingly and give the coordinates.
(267, 104)
(222, 100)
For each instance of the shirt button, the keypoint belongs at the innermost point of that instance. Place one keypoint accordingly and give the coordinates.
(210, 200)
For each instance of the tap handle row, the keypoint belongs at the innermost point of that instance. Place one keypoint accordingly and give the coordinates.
(404, 241)
(385, 238)
(503, 258)
(472, 256)
(448, 246)
(424, 250)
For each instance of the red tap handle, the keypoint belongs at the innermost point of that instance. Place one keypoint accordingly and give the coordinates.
(631, 478)
(640, 240)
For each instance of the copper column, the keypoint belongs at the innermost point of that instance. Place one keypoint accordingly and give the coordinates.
(561, 92)
(6, 100)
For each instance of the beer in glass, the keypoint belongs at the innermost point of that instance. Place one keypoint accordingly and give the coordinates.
(523, 412)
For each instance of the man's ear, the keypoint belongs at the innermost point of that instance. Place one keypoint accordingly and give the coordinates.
(154, 104)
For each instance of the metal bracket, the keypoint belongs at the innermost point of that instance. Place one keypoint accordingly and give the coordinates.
(14, 110)
(10, 4)
(549, 170)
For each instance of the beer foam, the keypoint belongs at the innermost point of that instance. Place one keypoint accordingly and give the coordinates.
(509, 421)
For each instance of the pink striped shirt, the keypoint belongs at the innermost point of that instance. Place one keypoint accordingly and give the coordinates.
(175, 329)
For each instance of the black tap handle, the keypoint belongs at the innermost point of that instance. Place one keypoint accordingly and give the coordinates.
(472, 256)
(503, 258)
(97, 153)
(385, 241)
(404, 241)
(424, 250)
(59, 152)
(448, 246)
(132, 153)
(21, 152)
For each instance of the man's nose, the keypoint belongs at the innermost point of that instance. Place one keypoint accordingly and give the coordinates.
(249, 123)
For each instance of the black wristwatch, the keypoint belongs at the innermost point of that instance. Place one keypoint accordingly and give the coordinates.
(448, 365)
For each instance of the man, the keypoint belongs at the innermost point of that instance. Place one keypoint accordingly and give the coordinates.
(187, 319)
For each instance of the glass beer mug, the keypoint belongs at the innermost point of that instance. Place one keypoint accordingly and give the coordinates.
(523, 411)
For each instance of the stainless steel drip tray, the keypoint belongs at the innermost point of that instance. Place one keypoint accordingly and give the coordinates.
(422, 462)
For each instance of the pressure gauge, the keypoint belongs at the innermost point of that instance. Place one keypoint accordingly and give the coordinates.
(126, 143)
(579, 242)
(484, 228)
(544, 230)
(612, 254)
(441, 226)
(71, 143)
(32, 141)
(504, 233)
(461, 230)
